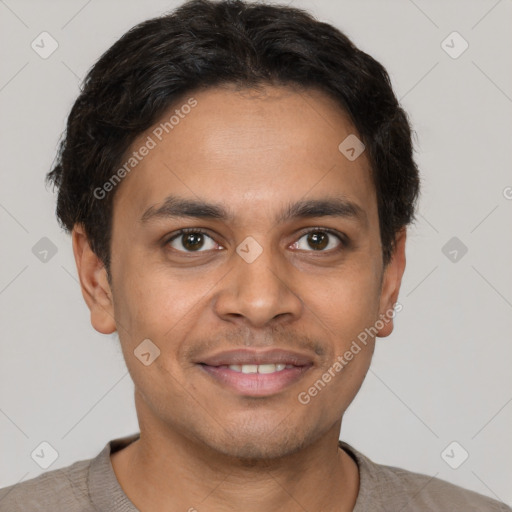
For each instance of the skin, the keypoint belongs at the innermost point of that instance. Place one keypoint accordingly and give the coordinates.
(201, 444)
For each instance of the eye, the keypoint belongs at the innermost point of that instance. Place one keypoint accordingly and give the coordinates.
(191, 240)
(321, 240)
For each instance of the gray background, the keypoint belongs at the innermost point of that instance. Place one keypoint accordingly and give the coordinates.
(443, 375)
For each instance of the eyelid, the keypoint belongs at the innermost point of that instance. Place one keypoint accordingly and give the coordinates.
(184, 231)
(343, 239)
(344, 242)
(338, 234)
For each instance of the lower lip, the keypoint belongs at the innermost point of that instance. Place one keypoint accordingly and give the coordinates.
(256, 384)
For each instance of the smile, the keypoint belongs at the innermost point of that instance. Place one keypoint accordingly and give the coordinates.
(257, 368)
(256, 380)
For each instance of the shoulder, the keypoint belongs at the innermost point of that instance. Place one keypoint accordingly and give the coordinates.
(424, 492)
(60, 489)
(393, 488)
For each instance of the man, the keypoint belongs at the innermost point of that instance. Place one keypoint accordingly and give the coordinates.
(238, 179)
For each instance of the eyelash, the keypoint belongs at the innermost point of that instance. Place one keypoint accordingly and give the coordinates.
(344, 242)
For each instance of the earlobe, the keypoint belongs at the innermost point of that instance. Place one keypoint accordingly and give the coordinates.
(391, 282)
(93, 282)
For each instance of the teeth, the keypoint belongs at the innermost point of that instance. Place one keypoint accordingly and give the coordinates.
(267, 368)
(259, 368)
(249, 368)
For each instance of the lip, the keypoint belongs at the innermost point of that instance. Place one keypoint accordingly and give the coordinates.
(251, 356)
(256, 384)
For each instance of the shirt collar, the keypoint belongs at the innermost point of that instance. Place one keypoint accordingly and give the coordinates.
(108, 496)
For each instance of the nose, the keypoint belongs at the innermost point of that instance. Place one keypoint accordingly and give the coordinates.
(258, 292)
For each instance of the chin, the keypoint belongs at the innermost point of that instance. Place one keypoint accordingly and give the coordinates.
(254, 445)
(251, 454)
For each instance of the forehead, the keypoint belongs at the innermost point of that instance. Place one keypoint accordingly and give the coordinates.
(252, 150)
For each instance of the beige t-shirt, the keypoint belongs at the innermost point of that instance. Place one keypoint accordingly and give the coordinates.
(91, 486)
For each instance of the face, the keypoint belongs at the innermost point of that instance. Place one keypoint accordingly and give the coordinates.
(255, 271)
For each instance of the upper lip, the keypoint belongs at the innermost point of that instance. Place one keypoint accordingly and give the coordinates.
(251, 356)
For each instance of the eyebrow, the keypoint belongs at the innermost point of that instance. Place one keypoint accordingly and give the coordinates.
(178, 207)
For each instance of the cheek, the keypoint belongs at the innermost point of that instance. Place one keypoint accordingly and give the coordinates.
(347, 302)
(347, 310)
(164, 309)
(154, 301)
(336, 388)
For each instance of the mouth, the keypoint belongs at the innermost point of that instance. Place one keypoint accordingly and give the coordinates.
(256, 374)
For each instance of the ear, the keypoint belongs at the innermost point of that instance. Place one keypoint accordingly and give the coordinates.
(94, 283)
(391, 282)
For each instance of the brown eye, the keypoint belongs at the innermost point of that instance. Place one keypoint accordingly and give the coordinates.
(320, 240)
(192, 241)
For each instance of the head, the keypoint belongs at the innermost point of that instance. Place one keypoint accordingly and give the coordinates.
(232, 117)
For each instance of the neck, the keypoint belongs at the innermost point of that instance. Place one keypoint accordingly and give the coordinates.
(170, 470)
